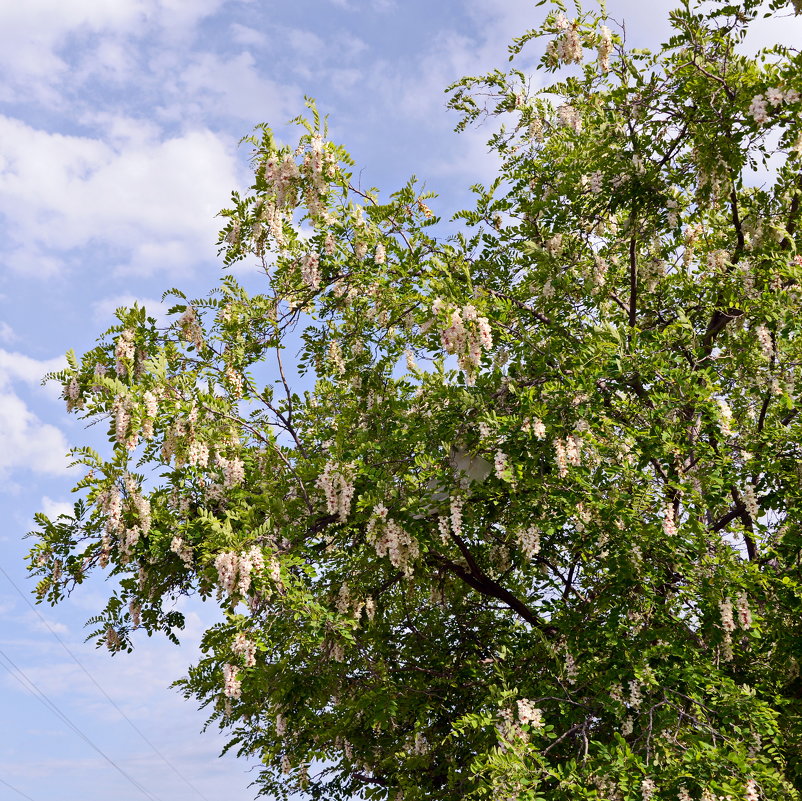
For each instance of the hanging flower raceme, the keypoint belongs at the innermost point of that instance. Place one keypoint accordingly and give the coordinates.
(391, 540)
(466, 335)
(337, 483)
(234, 571)
(124, 352)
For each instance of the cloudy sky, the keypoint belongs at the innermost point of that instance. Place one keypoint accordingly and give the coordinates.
(119, 124)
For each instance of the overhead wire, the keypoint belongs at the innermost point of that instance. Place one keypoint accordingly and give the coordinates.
(101, 690)
(18, 792)
(40, 695)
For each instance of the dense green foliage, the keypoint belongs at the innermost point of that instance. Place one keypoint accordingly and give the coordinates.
(529, 523)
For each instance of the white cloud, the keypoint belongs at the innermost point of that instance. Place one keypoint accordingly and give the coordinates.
(244, 35)
(35, 33)
(7, 332)
(26, 443)
(55, 508)
(19, 367)
(154, 201)
(209, 84)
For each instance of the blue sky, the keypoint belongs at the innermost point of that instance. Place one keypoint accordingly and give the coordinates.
(119, 124)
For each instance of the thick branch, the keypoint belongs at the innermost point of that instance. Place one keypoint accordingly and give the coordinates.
(476, 578)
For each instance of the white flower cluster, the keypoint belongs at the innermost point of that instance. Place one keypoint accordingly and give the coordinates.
(567, 453)
(569, 116)
(605, 47)
(466, 336)
(758, 108)
(232, 686)
(573, 450)
(509, 729)
(648, 789)
(599, 275)
(197, 452)
(336, 356)
(751, 792)
(105, 550)
(750, 502)
(560, 457)
(529, 714)
(140, 503)
(244, 647)
(764, 338)
(728, 624)
(567, 47)
(456, 515)
(635, 696)
(124, 351)
(182, 550)
(135, 612)
(337, 483)
(150, 404)
(370, 607)
(669, 520)
(113, 642)
(233, 470)
(72, 394)
(343, 603)
(320, 167)
(390, 539)
(281, 177)
(502, 466)
(129, 540)
(310, 270)
(725, 417)
(529, 540)
(111, 503)
(536, 426)
(235, 380)
(571, 672)
(190, 328)
(234, 570)
(121, 408)
(380, 256)
(744, 613)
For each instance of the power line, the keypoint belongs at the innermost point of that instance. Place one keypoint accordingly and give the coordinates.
(18, 792)
(31, 686)
(100, 688)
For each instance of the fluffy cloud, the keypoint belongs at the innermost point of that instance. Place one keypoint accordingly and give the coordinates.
(35, 34)
(26, 442)
(152, 201)
(19, 367)
(207, 84)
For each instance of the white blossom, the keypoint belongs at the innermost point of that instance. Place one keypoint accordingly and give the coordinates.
(244, 647)
(669, 521)
(758, 110)
(725, 608)
(744, 613)
(232, 686)
(605, 47)
(529, 540)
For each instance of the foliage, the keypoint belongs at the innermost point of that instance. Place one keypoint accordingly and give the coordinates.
(527, 522)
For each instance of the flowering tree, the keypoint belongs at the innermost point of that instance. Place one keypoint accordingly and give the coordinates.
(528, 524)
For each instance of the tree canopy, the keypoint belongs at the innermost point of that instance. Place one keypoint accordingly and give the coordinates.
(514, 513)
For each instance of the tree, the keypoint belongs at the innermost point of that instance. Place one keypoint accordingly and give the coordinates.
(529, 525)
